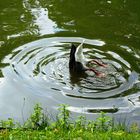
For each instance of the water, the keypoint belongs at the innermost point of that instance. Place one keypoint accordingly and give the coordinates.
(34, 51)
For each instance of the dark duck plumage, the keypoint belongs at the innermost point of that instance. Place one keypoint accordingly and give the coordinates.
(74, 65)
(77, 62)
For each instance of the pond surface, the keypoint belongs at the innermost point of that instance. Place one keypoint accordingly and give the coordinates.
(35, 40)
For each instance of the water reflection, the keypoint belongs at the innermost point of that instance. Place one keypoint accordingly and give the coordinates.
(38, 71)
(45, 25)
(76, 78)
(109, 20)
(41, 69)
(40, 20)
(32, 17)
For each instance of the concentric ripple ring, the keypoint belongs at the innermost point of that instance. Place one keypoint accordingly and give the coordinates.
(41, 67)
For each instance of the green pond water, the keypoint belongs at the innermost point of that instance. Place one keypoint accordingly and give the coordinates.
(35, 40)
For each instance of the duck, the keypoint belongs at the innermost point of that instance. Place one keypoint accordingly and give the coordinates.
(78, 62)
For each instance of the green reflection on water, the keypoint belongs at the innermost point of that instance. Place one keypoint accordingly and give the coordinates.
(117, 22)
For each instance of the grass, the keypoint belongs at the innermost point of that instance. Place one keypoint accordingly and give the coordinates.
(39, 126)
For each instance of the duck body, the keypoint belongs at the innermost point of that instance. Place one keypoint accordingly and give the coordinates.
(77, 61)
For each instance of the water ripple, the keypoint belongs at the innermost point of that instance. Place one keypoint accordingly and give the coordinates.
(42, 66)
